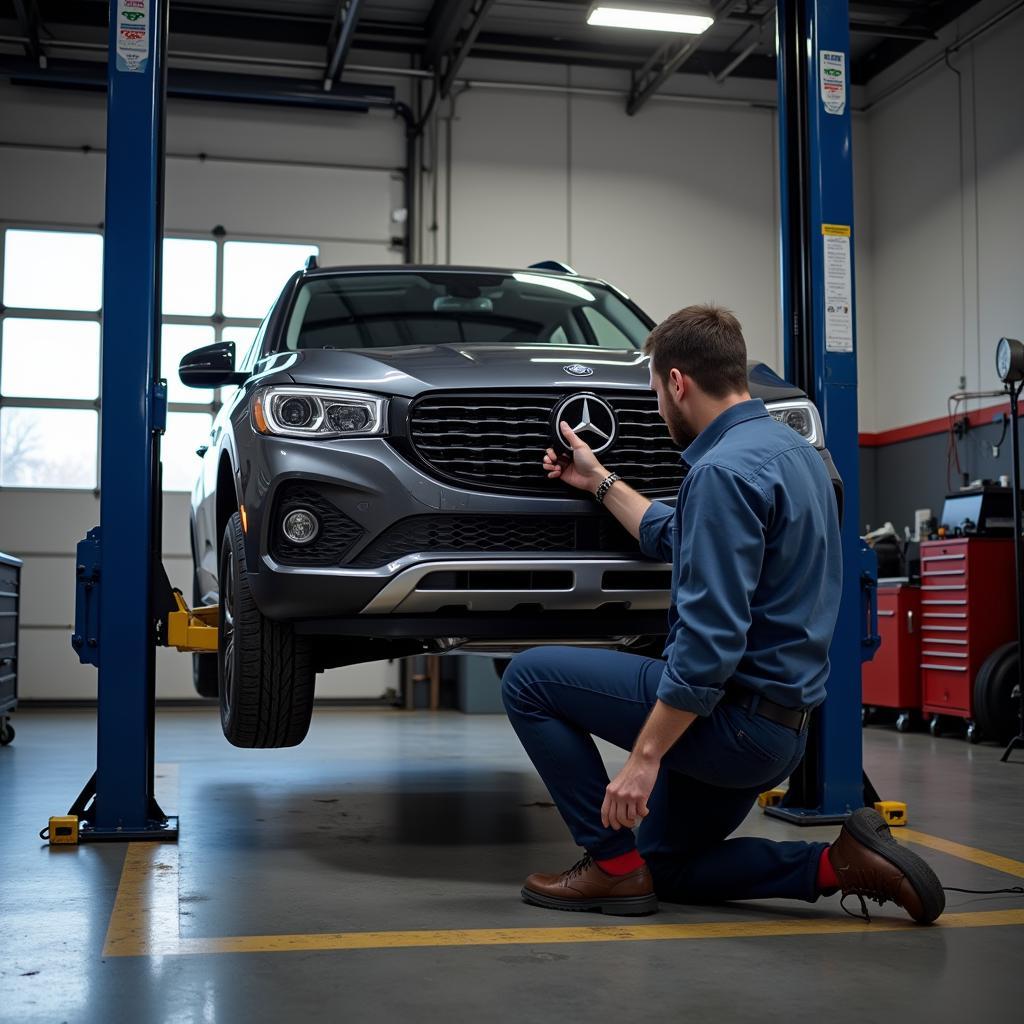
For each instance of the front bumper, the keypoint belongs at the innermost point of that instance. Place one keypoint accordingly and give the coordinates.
(376, 490)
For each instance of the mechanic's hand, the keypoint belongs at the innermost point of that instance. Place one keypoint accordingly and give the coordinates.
(581, 469)
(625, 799)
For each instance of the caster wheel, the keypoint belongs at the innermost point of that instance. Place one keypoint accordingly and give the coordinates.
(6, 732)
(973, 732)
(903, 722)
(934, 726)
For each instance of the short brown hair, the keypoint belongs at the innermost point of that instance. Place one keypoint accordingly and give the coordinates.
(704, 342)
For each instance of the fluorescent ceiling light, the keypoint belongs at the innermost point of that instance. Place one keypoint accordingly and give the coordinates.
(652, 20)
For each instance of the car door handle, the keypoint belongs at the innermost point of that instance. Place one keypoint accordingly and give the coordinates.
(202, 450)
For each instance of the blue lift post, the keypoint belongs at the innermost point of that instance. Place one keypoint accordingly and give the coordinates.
(816, 164)
(117, 563)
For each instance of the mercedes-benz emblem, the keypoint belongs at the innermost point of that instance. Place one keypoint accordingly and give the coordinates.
(591, 418)
(578, 370)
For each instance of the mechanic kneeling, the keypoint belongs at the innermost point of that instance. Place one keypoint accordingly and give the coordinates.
(756, 567)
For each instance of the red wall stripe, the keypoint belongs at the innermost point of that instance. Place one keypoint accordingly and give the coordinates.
(927, 428)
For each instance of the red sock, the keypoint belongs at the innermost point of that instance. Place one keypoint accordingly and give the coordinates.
(623, 864)
(827, 880)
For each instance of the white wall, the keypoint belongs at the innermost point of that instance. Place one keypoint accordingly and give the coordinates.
(947, 224)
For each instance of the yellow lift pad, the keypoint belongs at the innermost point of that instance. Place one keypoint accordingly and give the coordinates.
(192, 629)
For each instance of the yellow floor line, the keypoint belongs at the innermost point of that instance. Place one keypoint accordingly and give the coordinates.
(145, 920)
(548, 936)
(989, 860)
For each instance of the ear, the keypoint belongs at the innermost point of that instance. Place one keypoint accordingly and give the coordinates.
(677, 384)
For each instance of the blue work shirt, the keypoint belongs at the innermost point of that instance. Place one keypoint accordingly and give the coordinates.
(756, 565)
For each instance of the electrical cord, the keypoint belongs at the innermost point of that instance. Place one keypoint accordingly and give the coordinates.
(1017, 890)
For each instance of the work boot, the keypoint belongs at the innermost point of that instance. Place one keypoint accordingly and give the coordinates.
(585, 886)
(870, 864)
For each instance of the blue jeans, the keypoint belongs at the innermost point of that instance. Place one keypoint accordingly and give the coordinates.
(559, 698)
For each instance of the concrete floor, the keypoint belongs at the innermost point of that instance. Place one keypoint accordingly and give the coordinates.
(398, 822)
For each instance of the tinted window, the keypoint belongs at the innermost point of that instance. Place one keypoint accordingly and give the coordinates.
(385, 310)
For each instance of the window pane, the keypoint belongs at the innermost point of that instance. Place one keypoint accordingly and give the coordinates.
(50, 358)
(53, 269)
(186, 431)
(48, 448)
(190, 277)
(177, 340)
(242, 337)
(255, 273)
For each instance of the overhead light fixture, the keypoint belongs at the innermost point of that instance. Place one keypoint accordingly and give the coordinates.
(651, 18)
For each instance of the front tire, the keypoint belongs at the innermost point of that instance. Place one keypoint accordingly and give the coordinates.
(266, 671)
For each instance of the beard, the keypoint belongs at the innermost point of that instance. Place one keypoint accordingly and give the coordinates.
(679, 430)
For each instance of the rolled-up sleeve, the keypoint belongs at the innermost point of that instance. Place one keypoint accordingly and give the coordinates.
(720, 553)
(656, 531)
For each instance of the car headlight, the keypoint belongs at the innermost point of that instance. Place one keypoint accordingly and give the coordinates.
(801, 416)
(317, 412)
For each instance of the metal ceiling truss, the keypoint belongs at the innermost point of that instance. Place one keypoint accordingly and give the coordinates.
(668, 59)
(339, 42)
(456, 29)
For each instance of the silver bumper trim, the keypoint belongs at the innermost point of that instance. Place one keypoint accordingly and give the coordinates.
(586, 591)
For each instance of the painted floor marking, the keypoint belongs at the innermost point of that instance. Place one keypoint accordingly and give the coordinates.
(1007, 865)
(145, 921)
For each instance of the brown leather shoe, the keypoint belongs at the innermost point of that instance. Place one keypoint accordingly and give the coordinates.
(870, 864)
(586, 887)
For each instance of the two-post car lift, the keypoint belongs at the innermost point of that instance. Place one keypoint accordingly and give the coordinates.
(125, 609)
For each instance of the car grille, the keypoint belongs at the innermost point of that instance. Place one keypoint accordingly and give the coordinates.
(338, 534)
(496, 441)
(496, 533)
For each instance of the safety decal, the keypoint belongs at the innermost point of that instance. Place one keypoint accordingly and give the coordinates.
(838, 288)
(132, 35)
(833, 81)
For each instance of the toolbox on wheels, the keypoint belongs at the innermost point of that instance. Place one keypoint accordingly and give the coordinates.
(10, 591)
(892, 679)
(968, 609)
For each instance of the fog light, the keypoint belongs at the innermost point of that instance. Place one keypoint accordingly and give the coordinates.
(300, 526)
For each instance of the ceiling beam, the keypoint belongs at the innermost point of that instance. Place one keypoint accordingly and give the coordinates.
(465, 42)
(443, 23)
(27, 12)
(668, 59)
(339, 42)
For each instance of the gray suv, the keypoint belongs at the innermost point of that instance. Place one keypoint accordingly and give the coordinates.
(374, 488)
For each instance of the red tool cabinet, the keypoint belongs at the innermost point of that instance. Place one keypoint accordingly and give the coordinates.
(968, 608)
(892, 679)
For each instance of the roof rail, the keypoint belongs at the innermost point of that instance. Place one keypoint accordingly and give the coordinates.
(555, 265)
(311, 263)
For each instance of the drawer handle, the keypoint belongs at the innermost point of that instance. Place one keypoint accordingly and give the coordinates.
(910, 621)
(885, 615)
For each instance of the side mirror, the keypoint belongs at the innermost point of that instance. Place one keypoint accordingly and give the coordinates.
(210, 367)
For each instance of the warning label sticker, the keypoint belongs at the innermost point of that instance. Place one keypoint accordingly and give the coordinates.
(132, 35)
(838, 288)
(833, 81)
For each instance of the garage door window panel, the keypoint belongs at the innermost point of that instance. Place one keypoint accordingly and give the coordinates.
(48, 447)
(53, 270)
(50, 359)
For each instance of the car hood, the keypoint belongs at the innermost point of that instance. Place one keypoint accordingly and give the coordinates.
(410, 370)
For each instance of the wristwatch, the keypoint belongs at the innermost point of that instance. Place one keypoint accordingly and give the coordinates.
(605, 486)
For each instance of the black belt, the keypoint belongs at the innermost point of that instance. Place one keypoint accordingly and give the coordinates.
(794, 718)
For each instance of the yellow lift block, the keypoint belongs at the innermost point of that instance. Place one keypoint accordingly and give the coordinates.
(192, 629)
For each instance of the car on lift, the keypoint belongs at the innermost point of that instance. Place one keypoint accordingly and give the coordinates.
(373, 488)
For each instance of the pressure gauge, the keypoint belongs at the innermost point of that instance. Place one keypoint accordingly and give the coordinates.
(1010, 360)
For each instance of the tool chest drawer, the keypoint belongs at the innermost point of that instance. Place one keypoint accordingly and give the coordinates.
(892, 678)
(967, 610)
(10, 590)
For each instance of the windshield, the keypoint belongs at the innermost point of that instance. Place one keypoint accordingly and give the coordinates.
(387, 309)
